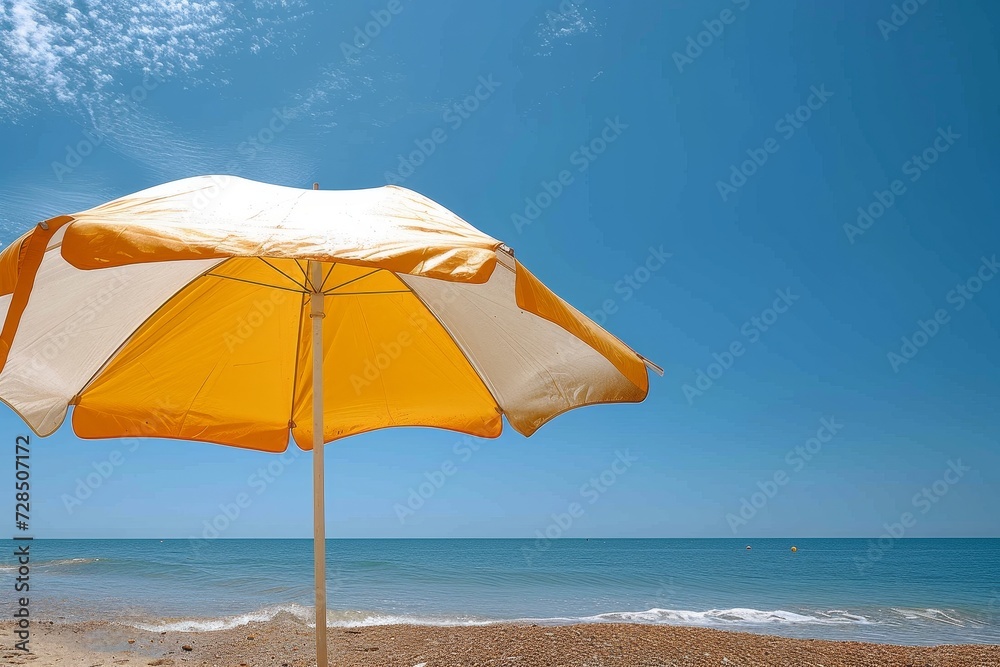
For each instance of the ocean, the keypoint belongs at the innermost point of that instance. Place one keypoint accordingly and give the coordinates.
(908, 591)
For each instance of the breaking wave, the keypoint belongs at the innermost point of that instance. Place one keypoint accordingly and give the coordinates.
(356, 618)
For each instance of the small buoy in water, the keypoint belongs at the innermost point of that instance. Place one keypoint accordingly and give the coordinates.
(748, 547)
(794, 549)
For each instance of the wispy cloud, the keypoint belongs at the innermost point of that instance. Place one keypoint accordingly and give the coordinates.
(564, 24)
(27, 202)
(94, 62)
(147, 139)
(66, 52)
(360, 97)
(86, 60)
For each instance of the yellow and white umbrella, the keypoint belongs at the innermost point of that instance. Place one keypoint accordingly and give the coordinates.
(240, 313)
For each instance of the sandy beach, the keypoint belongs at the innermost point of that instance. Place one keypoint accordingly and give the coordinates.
(286, 643)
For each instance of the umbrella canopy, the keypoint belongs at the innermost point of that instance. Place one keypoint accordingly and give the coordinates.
(246, 314)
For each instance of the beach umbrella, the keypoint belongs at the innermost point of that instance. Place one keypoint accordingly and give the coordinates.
(241, 313)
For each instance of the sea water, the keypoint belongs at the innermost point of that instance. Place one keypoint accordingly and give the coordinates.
(911, 591)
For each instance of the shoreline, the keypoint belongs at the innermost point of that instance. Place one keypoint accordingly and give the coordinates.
(288, 643)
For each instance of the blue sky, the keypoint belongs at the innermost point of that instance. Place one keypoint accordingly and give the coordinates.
(739, 137)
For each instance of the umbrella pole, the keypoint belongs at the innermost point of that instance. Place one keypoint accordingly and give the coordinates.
(316, 314)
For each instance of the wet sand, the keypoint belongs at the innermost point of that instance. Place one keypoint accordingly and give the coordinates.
(287, 643)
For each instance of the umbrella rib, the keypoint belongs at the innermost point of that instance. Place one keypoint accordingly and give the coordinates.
(327, 276)
(194, 398)
(481, 375)
(284, 274)
(128, 339)
(305, 278)
(396, 291)
(298, 349)
(254, 282)
(352, 280)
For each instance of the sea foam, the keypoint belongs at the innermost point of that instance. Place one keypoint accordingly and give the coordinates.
(714, 617)
(264, 615)
(736, 616)
(60, 562)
